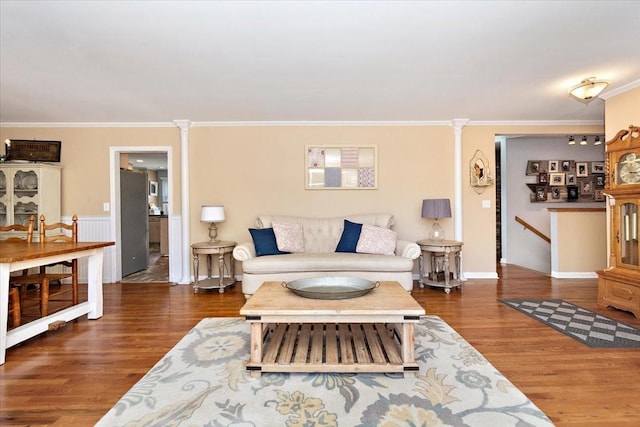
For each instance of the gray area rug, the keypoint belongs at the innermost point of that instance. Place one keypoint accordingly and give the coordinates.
(203, 381)
(586, 326)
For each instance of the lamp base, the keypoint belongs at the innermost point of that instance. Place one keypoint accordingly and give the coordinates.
(437, 232)
(213, 233)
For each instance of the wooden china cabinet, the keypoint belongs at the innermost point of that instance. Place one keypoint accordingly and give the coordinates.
(619, 285)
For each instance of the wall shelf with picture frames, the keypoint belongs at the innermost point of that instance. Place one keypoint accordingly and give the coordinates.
(331, 167)
(561, 181)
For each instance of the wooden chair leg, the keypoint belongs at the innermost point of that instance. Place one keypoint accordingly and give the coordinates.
(16, 314)
(44, 297)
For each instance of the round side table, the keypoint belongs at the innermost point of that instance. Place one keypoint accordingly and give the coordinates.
(439, 254)
(226, 277)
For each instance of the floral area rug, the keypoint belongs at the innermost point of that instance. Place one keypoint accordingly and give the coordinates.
(202, 381)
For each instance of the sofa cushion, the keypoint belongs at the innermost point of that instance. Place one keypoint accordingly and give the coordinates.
(289, 236)
(331, 263)
(350, 235)
(323, 234)
(264, 241)
(376, 240)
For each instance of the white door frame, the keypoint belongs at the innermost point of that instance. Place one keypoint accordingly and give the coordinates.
(114, 186)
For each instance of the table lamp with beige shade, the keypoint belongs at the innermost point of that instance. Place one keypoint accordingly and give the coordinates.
(212, 214)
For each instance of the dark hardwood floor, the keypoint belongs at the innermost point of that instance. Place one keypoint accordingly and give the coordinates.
(72, 376)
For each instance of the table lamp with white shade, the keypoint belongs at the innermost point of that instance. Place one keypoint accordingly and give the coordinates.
(212, 214)
(436, 208)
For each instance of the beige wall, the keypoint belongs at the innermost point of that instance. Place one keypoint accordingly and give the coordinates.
(260, 169)
(579, 236)
(622, 111)
(85, 159)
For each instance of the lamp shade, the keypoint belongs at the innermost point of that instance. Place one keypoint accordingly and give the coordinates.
(588, 89)
(212, 213)
(436, 208)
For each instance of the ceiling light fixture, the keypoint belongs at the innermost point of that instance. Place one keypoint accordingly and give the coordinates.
(597, 141)
(588, 89)
(572, 141)
(583, 141)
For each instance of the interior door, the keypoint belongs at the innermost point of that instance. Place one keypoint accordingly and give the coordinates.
(134, 217)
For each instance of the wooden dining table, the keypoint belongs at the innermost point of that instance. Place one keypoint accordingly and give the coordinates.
(17, 256)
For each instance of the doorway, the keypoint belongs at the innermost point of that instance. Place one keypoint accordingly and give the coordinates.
(157, 160)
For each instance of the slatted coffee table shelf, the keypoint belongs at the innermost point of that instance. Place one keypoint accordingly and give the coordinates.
(344, 347)
(371, 333)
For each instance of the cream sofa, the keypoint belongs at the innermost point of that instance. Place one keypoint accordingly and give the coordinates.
(320, 259)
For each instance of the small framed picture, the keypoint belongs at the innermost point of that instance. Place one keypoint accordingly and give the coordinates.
(553, 166)
(586, 188)
(571, 179)
(581, 169)
(542, 178)
(597, 167)
(533, 167)
(599, 196)
(565, 165)
(153, 188)
(555, 193)
(572, 193)
(541, 193)
(599, 181)
(556, 179)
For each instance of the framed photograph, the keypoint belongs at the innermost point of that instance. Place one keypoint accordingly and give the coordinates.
(599, 196)
(565, 166)
(581, 169)
(586, 188)
(572, 193)
(556, 179)
(331, 167)
(541, 193)
(570, 179)
(542, 178)
(553, 166)
(533, 167)
(597, 167)
(598, 181)
(153, 188)
(555, 193)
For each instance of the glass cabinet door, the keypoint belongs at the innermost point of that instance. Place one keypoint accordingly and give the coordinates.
(25, 192)
(629, 234)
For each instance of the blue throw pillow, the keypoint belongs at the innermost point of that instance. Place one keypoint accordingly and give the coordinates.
(264, 241)
(350, 236)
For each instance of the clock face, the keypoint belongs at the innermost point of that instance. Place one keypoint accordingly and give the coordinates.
(629, 169)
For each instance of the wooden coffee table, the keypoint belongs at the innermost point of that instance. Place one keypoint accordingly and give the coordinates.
(371, 333)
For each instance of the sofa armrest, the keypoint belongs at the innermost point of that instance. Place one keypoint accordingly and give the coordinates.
(244, 251)
(407, 249)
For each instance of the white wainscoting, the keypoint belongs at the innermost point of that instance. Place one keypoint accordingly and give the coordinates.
(98, 229)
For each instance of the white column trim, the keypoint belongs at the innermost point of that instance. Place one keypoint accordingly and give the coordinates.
(458, 124)
(184, 126)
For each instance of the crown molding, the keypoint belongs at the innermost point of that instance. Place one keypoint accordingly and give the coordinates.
(323, 123)
(622, 89)
(538, 123)
(88, 124)
(297, 123)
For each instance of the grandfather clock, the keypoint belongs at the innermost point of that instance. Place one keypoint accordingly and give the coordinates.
(619, 285)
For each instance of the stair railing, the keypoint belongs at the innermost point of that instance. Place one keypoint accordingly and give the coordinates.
(534, 230)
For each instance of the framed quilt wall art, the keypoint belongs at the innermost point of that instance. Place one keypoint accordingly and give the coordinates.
(331, 167)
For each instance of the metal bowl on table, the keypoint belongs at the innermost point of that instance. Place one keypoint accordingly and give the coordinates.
(330, 287)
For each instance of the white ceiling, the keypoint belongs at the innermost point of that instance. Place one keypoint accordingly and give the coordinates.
(303, 61)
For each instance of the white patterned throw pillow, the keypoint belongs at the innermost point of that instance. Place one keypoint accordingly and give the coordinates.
(289, 236)
(376, 240)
